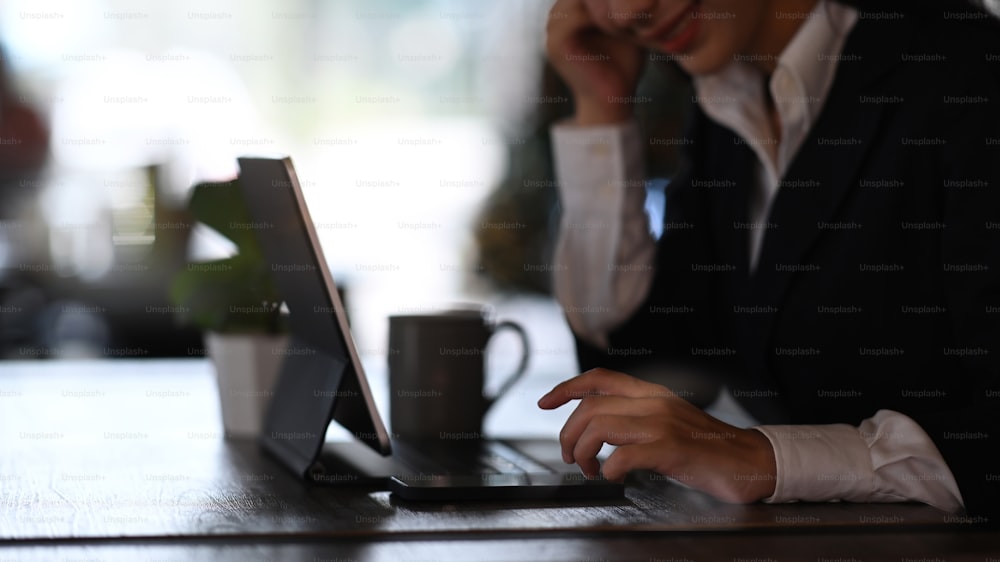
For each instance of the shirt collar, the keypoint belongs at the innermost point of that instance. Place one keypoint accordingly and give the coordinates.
(811, 56)
(809, 61)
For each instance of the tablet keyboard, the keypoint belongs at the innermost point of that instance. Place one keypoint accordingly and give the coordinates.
(486, 457)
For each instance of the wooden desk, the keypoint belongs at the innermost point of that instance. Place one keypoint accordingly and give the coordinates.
(126, 459)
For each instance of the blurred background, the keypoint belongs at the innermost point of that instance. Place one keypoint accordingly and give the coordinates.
(419, 129)
(399, 116)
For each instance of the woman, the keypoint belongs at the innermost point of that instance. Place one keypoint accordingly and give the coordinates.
(830, 248)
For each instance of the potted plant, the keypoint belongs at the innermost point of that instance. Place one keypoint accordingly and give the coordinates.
(236, 304)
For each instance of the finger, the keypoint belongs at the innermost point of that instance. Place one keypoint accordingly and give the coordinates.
(597, 11)
(575, 29)
(590, 467)
(567, 18)
(594, 406)
(654, 455)
(632, 15)
(599, 382)
(614, 430)
(568, 22)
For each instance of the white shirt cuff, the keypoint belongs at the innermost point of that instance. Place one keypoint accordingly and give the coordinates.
(595, 165)
(819, 463)
(888, 458)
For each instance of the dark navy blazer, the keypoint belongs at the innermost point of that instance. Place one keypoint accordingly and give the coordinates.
(878, 282)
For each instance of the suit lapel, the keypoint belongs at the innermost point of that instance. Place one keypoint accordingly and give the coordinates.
(731, 183)
(827, 165)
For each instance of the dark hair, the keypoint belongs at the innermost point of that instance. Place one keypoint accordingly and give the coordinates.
(926, 6)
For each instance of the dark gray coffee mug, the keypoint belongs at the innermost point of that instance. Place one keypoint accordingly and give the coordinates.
(437, 373)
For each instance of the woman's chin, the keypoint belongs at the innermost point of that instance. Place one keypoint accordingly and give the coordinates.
(702, 64)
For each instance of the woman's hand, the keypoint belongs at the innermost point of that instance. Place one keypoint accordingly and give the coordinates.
(596, 57)
(656, 430)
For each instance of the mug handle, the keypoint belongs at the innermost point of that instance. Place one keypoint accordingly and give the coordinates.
(521, 368)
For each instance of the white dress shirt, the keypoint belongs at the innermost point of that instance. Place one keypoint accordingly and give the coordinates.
(608, 257)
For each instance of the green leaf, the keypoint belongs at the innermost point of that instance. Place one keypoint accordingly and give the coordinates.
(220, 206)
(235, 294)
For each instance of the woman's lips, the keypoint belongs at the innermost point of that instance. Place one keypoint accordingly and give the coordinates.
(679, 32)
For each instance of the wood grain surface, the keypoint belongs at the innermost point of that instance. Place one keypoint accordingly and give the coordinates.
(110, 450)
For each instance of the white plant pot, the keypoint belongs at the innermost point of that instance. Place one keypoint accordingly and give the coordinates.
(246, 367)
